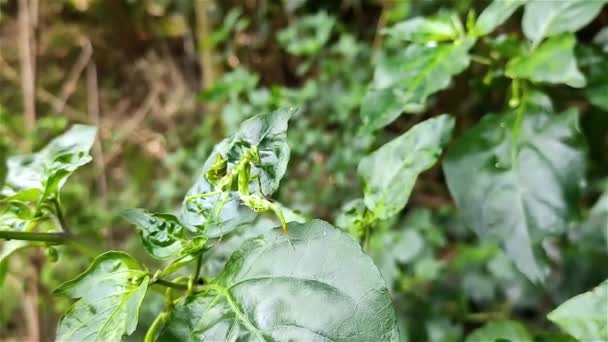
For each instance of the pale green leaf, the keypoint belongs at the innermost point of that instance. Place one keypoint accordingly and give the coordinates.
(110, 293)
(499, 331)
(403, 82)
(312, 284)
(544, 18)
(220, 213)
(441, 27)
(518, 190)
(389, 173)
(585, 316)
(552, 62)
(48, 169)
(495, 15)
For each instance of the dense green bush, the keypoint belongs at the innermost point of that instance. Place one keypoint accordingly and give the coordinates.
(519, 255)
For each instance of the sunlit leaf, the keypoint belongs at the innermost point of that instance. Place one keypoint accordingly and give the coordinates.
(442, 27)
(548, 18)
(552, 62)
(314, 283)
(584, 316)
(110, 293)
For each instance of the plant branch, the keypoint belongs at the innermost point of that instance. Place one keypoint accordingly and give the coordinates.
(51, 238)
(170, 284)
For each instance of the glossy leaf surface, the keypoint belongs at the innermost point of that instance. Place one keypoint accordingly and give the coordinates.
(110, 293)
(584, 316)
(426, 29)
(552, 62)
(496, 14)
(389, 173)
(162, 234)
(548, 18)
(403, 82)
(312, 284)
(518, 190)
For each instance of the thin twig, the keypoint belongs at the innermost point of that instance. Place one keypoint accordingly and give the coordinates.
(69, 86)
(27, 62)
(94, 115)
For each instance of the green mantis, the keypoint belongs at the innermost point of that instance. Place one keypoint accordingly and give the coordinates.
(238, 179)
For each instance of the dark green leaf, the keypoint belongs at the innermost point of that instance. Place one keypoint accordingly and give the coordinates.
(3, 169)
(389, 173)
(585, 316)
(499, 331)
(496, 14)
(162, 234)
(314, 283)
(544, 18)
(442, 27)
(110, 292)
(404, 82)
(518, 190)
(595, 66)
(48, 169)
(267, 133)
(552, 62)
(307, 36)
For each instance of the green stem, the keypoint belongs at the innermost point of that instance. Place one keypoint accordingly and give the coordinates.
(59, 214)
(158, 323)
(195, 274)
(170, 284)
(50, 238)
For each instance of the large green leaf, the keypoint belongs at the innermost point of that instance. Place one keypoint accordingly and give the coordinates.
(442, 27)
(498, 331)
(518, 190)
(267, 132)
(162, 234)
(389, 173)
(544, 18)
(312, 284)
(110, 293)
(496, 14)
(403, 82)
(552, 62)
(585, 316)
(48, 169)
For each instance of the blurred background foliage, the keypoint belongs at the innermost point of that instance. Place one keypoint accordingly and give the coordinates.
(164, 80)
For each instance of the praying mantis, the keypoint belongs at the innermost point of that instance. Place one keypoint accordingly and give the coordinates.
(238, 179)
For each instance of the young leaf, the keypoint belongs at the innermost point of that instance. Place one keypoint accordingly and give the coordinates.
(389, 173)
(312, 284)
(518, 189)
(500, 331)
(48, 169)
(220, 213)
(548, 18)
(585, 316)
(110, 293)
(442, 27)
(162, 234)
(552, 62)
(404, 82)
(495, 15)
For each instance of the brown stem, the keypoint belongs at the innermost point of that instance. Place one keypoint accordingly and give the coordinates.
(27, 43)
